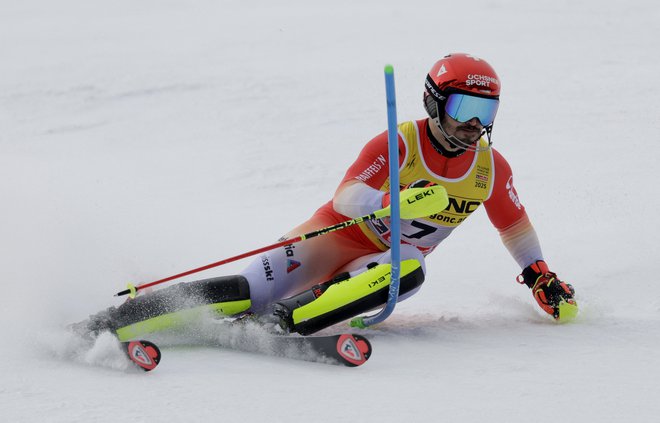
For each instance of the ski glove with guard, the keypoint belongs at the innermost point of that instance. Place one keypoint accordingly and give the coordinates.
(553, 295)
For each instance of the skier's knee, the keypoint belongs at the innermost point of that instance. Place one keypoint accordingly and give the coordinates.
(411, 252)
(344, 297)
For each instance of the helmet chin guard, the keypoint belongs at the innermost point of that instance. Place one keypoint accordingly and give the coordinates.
(464, 145)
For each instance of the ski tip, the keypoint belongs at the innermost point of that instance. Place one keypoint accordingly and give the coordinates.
(389, 69)
(144, 354)
(354, 350)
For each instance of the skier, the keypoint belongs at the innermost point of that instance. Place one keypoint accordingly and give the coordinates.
(321, 281)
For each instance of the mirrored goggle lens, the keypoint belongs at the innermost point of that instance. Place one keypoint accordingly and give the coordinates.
(462, 108)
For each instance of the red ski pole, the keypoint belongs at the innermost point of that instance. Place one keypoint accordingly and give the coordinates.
(132, 290)
(415, 203)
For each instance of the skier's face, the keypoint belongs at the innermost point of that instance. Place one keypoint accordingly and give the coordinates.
(468, 132)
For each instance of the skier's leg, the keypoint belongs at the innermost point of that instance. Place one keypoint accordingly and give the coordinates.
(407, 252)
(285, 271)
(274, 275)
(351, 293)
(170, 307)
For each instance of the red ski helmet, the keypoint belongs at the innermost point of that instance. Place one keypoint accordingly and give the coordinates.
(462, 86)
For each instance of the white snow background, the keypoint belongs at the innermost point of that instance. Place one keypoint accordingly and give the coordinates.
(141, 139)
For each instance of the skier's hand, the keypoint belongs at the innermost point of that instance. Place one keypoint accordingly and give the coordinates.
(554, 296)
(420, 183)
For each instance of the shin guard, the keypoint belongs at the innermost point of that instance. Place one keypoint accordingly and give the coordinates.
(174, 306)
(345, 297)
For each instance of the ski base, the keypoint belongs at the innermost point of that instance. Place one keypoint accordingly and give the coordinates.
(144, 354)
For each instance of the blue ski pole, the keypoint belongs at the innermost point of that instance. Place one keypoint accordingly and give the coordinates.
(395, 221)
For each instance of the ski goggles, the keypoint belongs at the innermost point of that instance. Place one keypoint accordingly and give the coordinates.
(463, 107)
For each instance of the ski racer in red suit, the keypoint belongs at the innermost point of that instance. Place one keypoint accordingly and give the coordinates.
(319, 282)
(447, 148)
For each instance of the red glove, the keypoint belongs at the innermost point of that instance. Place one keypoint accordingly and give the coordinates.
(550, 293)
(420, 183)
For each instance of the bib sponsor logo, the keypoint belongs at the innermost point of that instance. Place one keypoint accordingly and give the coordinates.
(481, 178)
(457, 211)
(447, 219)
(464, 207)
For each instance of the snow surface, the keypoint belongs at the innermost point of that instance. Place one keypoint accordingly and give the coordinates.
(140, 139)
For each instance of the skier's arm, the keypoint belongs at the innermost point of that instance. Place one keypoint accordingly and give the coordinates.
(521, 241)
(358, 194)
(508, 215)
